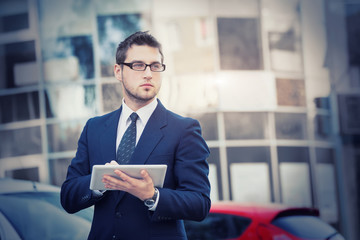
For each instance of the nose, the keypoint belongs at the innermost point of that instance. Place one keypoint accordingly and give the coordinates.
(147, 72)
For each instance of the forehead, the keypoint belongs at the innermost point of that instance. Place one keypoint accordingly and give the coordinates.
(143, 53)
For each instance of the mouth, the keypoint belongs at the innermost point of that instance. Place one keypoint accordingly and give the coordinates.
(146, 85)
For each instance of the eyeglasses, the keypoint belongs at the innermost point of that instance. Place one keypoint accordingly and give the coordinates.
(140, 66)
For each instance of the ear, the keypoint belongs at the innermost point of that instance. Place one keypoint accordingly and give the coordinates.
(118, 72)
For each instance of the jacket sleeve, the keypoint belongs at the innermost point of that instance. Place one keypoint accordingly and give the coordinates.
(75, 192)
(191, 198)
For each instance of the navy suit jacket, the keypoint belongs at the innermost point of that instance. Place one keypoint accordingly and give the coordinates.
(167, 139)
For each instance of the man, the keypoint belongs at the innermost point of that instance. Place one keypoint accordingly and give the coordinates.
(162, 137)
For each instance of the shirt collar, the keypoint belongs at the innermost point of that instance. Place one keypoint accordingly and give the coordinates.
(144, 113)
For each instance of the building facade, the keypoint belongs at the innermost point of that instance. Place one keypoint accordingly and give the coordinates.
(274, 83)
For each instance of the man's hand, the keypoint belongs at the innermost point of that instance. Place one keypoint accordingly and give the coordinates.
(140, 188)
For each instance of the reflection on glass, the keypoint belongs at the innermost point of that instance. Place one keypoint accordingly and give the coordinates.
(208, 122)
(31, 174)
(112, 30)
(19, 107)
(214, 194)
(290, 92)
(239, 44)
(248, 154)
(64, 136)
(14, 15)
(295, 183)
(68, 58)
(184, 41)
(58, 170)
(290, 126)
(282, 24)
(293, 154)
(322, 127)
(241, 125)
(326, 182)
(17, 64)
(112, 96)
(70, 102)
(215, 174)
(250, 182)
(19, 142)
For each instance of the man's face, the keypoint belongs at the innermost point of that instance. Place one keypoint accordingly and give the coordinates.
(139, 87)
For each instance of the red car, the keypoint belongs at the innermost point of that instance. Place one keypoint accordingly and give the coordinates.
(231, 220)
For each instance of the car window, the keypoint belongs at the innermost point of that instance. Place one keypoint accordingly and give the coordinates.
(305, 226)
(217, 226)
(36, 218)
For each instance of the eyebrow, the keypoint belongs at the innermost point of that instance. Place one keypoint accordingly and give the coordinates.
(139, 61)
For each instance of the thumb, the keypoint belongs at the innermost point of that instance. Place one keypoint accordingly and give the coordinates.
(145, 175)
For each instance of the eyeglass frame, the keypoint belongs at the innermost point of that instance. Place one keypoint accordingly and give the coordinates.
(130, 65)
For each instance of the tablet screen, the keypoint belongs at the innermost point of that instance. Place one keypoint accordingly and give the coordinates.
(156, 172)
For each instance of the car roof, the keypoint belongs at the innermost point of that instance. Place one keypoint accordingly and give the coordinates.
(265, 212)
(8, 185)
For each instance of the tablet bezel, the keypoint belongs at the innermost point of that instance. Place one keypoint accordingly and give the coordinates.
(156, 171)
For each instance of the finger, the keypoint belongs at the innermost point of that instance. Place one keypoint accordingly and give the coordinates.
(123, 176)
(145, 175)
(113, 162)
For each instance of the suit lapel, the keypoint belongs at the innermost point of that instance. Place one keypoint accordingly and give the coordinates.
(151, 135)
(108, 137)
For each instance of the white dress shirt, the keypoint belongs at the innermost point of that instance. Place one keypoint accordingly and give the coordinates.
(144, 114)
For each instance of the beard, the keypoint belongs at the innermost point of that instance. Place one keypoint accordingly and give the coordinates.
(137, 97)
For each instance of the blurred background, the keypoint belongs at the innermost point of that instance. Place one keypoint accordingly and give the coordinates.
(275, 85)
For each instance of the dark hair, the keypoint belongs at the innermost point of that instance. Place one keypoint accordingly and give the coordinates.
(138, 38)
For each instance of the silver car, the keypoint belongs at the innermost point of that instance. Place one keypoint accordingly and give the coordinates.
(31, 210)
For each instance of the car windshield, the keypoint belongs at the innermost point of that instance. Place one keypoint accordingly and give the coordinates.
(39, 215)
(217, 226)
(305, 226)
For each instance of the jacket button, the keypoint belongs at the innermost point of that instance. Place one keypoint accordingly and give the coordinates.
(118, 214)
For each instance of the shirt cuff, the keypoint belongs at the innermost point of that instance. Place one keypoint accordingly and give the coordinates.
(98, 193)
(153, 208)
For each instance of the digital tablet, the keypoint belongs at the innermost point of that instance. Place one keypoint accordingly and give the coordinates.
(156, 172)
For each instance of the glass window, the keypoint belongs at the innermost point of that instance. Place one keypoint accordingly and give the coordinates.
(239, 44)
(295, 175)
(209, 127)
(14, 15)
(241, 125)
(215, 174)
(68, 58)
(20, 142)
(112, 30)
(31, 174)
(323, 129)
(248, 154)
(70, 101)
(19, 107)
(64, 136)
(18, 67)
(293, 154)
(246, 164)
(112, 96)
(58, 170)
(291, 126)
(290, 92)
(282, 24)
(217, 226)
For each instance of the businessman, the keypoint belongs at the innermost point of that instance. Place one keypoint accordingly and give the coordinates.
(141, 131)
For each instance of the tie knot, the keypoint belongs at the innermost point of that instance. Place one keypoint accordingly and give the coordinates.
(134, 117)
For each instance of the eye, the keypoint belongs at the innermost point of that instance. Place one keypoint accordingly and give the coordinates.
(156, 66)
(138, 65)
